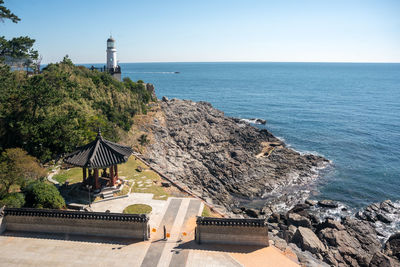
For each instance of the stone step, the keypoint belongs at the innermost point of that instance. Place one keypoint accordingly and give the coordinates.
(107, 196)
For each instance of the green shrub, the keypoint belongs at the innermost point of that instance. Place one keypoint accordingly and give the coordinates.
(13, 200)
(42, 195)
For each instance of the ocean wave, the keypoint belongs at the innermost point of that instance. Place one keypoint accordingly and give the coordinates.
(255, 121)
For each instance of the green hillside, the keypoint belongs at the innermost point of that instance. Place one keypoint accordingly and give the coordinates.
(51, 113)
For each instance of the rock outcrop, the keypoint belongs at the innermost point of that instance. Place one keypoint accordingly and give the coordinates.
(392, 246)
(349, 241)
(225, 160)
(228, 162)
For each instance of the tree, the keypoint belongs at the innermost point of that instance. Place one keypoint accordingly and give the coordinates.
(43, 195)
(36, 64)
(5, 13)
(16, 168)
(13, 200)
(17, 50)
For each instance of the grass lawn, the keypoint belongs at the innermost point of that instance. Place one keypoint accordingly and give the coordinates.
(206, 212)
(73, 175)
(145, 181)
(138, 209)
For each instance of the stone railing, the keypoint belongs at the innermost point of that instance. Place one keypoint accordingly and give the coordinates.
(232, 231)
(132, 226)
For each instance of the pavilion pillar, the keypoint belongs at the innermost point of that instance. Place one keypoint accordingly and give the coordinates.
(116, 172)
(96, 179)
(84, 175)
(112, 175)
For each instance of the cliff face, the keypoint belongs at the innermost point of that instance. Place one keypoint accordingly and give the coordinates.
(221, 158)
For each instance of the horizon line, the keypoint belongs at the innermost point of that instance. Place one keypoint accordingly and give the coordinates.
(149, 62)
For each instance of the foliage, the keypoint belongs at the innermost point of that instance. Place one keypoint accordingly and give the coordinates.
(206, 212)
(5, 13)
(13, 200)
(18, 49)
(41, 195)
(18, 168)
(52, 113)
(138, 209)
(143, 140)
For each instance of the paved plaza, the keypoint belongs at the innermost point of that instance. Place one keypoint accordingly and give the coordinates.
(176, 214)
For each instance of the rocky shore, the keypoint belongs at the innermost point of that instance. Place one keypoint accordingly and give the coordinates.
(349, 241)
(247, 172)
(226, 160)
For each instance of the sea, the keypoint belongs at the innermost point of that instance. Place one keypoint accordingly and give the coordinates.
(346, 112)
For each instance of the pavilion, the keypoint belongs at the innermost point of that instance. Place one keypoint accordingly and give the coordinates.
(99, 154)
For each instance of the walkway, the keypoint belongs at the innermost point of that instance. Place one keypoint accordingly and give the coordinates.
(118, 205)
(179, 217)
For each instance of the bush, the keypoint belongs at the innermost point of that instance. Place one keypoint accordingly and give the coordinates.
(16, 169)
(13, 200)
(42, 195)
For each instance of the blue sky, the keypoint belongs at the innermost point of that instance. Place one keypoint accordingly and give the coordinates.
(211, 30)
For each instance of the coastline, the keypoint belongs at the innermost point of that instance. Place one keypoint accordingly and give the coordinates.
(212, 153)
(202, 149)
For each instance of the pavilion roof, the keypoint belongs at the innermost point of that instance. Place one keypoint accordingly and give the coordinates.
(99, 154)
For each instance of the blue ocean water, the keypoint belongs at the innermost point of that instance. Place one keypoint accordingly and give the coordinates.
(349, 113)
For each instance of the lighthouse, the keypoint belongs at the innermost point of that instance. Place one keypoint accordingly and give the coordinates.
(112, 65)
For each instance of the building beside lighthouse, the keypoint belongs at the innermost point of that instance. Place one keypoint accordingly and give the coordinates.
(112, 65)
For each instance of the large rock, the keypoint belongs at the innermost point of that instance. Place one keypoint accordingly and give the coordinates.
(306, 258)
(354, 241)
(252, 213)
(298, 220)
(307, 240)
(392, 246)
(383, 212)
(328, 203)
(381, 260)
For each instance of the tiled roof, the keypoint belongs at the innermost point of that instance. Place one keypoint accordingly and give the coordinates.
(75, 214)
(231, 222)
(99, 154)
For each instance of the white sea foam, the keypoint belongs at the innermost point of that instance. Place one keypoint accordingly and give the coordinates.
(252, 121)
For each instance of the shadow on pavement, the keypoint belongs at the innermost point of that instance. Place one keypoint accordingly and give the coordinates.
(69, 237)
(217, 247)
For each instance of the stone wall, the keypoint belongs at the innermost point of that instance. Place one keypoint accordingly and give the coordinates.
(2, 225)
(131, 226)
(232, 231)
(2, 222)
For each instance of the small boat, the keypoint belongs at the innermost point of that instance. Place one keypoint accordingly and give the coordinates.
(176, 72)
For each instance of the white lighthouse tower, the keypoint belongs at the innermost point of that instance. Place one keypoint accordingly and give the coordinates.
(112, 65)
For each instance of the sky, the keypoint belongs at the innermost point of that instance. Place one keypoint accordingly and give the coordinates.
(211, 30)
